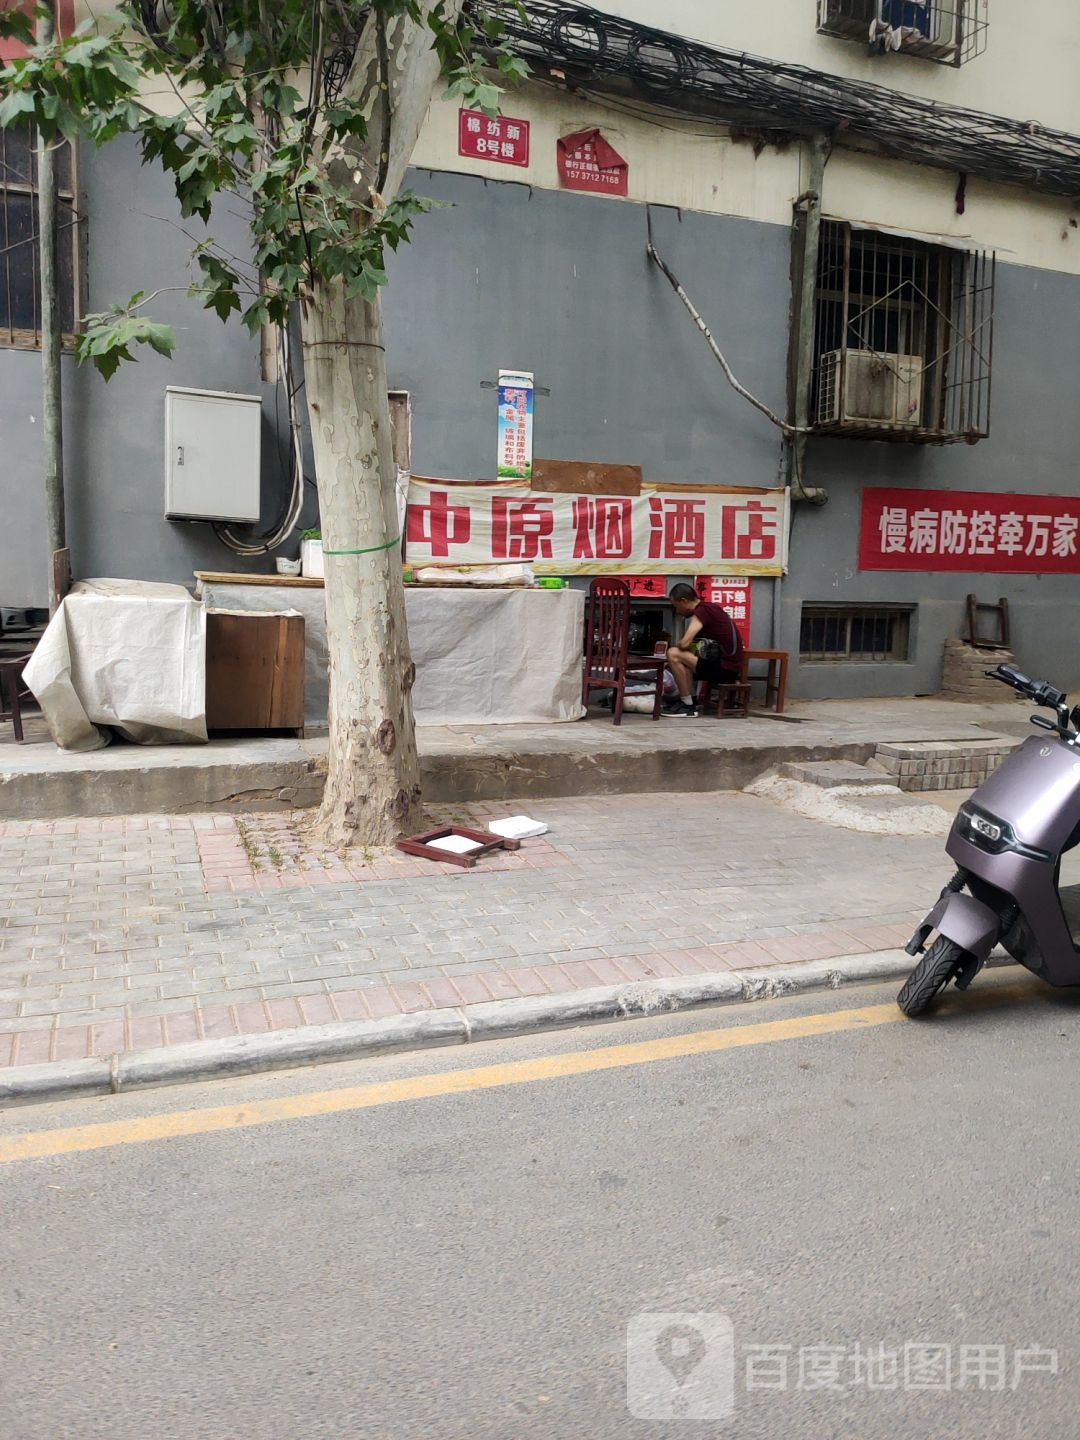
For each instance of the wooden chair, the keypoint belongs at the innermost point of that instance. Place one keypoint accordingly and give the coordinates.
(608, 663)
(11, 669)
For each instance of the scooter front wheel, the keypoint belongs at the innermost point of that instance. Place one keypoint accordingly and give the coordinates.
(944, 960)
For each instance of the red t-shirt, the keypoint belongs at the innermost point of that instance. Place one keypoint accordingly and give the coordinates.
(717, 624)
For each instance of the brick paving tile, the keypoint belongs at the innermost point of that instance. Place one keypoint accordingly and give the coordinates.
(411, 998)
(472, 990)
(70, 1042)
(148, 918)
(284, 1013)
(32, 1047)
(349, 1005)
(381, 1002)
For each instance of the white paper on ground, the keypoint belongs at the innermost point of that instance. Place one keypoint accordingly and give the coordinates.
(518, 827)
(456, 844)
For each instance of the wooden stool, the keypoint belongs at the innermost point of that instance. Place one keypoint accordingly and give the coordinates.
(11, 669)
(733, 699)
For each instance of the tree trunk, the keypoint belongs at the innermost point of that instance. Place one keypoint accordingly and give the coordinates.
(373, 787)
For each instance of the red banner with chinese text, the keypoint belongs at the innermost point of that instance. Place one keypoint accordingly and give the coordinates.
(503, 139)
(969, 530)
(667, 529)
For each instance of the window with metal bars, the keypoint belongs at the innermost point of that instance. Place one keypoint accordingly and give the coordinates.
(949, 32)
(20, 274)
(903, 338)
(865, 633)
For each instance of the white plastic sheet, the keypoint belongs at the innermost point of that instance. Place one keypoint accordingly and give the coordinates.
(124, 654)
(487, 657)
(483, 657)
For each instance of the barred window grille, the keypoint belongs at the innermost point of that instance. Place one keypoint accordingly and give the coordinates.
(874, 634)
(903, 338)
(20, 273)
(949, 32)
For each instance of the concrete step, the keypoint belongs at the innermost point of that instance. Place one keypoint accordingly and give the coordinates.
(836, 774)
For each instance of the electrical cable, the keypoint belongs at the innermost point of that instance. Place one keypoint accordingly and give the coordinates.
(606, 51)
(263, 544)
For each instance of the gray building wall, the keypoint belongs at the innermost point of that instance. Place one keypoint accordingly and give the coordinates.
(114, 441)
(559, 284)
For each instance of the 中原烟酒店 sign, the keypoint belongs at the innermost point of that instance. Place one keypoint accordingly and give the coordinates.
(667, 529)
(969, 530)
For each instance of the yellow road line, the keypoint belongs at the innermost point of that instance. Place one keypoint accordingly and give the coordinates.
(139, 1130)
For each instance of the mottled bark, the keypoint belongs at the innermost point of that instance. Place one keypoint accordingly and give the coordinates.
(373, 786)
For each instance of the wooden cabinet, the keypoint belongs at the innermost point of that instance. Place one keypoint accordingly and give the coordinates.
(254, 671)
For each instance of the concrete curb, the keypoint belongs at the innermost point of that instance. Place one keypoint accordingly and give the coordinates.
(500, 1019)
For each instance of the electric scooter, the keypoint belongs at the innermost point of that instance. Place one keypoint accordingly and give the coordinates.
(1007, 842)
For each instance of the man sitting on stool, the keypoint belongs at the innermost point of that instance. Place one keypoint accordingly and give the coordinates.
(720, 649)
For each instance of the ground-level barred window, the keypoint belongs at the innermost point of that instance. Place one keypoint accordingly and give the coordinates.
(20, 274)
(855, 632)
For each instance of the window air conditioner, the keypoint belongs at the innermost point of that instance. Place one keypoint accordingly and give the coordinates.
(858, 387)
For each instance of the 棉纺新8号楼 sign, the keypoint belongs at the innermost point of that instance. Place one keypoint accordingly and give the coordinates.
(667, 529)
(971, 530)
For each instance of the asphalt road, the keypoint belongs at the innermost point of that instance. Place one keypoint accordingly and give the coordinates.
(892, 1203)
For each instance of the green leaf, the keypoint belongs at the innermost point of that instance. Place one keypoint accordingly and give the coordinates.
(487, 99)
(16, 25)
(162, 339)
(14, 106)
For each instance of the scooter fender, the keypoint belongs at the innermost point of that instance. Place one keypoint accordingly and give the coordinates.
(965, 921)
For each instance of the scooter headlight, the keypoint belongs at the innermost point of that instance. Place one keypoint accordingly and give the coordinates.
(984, 827)
(994, 835)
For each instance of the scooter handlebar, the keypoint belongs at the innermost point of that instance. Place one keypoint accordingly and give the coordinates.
(1010, 675)
(1040, 691)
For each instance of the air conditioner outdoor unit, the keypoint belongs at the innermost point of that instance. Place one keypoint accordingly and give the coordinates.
(859, 387)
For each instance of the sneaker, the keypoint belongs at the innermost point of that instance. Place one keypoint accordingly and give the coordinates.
(681, 711)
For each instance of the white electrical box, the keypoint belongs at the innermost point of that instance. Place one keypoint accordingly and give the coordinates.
(212, 455)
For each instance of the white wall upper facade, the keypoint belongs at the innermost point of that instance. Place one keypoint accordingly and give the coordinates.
(696, 165)
(1028, 70)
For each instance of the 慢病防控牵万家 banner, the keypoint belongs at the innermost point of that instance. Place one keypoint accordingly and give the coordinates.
(978, 531)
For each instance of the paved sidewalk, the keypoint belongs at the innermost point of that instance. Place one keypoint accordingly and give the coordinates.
(133, 933)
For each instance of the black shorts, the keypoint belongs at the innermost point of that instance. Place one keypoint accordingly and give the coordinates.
(716, 672)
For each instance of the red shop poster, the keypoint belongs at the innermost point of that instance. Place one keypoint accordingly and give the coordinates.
(733, 593)
(648, 587)
(587, 162)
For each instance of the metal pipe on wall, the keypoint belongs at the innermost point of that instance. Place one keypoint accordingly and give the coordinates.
(806, 245)
(51, 345)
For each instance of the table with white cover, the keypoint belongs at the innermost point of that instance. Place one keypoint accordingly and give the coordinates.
(483, 656)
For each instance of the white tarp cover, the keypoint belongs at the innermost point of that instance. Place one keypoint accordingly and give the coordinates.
(483, 657)
(489, 656)
(125, 654)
